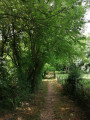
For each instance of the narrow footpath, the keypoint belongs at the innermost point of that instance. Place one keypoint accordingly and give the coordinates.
(48, 104)
(59, 106)
(48, 112)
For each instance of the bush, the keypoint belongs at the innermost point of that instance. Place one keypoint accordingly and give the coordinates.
(73, 79)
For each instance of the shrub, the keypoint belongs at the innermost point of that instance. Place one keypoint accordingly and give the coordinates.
(73, 79)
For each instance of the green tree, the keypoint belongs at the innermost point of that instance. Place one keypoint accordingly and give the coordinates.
(35, 31)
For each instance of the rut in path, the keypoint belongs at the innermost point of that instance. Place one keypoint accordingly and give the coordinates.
(48, 113)
(60, 107)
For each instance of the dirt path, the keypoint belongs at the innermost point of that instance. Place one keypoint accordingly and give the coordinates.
(60, 107)
(48, 112)
(56, 107)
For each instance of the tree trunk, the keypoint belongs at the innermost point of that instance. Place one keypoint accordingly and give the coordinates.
(35, 75)
(4, 40)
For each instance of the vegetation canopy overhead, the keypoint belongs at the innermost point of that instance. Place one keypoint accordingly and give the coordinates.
(35, 32)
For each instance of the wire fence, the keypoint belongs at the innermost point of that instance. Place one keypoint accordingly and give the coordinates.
(85, 91)
(82, 89)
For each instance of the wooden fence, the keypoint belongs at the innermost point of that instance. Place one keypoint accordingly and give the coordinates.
(84, 91)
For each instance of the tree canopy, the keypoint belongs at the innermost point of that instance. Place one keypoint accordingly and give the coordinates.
(37, 32)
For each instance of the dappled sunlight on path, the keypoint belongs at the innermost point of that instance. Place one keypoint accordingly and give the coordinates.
(59, 106)
(30, 109)
(48, 112)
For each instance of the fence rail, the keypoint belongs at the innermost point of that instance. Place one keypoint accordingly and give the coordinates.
(85, 91)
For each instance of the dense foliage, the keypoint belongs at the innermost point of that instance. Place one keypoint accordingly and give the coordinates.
(33, 33)
(73, 79)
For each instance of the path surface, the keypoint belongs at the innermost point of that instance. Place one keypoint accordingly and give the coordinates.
(60, 107)
(48, 112)
(57, 106)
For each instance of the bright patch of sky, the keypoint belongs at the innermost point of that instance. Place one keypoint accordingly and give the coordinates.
(51, 4)
(87, 25)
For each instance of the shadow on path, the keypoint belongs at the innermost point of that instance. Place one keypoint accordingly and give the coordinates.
(60, 107)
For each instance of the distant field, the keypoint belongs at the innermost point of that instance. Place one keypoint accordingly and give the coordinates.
(86, 76)
(85, 79)
(61, 78)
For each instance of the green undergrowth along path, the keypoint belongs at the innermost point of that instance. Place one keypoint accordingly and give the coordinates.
(66, 108)
(29, 110)
(50, 104)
